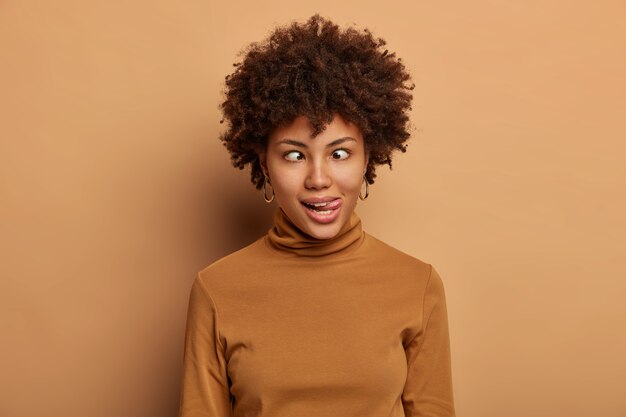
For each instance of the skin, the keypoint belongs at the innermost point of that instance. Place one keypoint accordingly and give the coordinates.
(300, 167)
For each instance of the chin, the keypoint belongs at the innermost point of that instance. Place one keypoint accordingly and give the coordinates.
(323, 232)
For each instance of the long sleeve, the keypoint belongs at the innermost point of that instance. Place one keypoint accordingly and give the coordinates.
(204, 389)
(428, 387)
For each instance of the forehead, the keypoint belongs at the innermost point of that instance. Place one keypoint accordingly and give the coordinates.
(300, 128)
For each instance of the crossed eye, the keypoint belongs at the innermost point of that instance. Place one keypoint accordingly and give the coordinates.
(294, 156)
(338, 155)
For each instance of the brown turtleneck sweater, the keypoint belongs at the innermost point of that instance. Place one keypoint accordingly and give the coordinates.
(292, 326)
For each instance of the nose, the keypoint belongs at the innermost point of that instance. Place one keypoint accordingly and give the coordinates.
(318, 177)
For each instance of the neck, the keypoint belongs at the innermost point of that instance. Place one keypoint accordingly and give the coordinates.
(286, 236)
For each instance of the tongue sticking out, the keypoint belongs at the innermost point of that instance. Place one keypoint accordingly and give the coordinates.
(329, 205)
(323, 212)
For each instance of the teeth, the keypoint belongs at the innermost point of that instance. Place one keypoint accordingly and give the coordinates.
(316, 204)
(316, 208)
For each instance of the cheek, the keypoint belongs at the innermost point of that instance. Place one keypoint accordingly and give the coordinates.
(282, 179)
(285, 186)
(351, 183)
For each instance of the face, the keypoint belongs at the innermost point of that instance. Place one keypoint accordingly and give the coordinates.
(316, 180)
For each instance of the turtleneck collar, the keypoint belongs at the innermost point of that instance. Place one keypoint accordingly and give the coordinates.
(286, 236)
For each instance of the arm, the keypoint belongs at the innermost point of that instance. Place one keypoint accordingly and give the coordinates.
(205, 388)
(428, 388)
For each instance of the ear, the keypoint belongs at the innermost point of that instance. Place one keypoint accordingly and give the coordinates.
(367, 160)
(263, 162)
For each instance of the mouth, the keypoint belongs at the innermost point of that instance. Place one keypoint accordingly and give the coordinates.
(323, 210)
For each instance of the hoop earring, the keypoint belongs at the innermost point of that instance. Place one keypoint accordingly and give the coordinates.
(367, 191)
(270, 199)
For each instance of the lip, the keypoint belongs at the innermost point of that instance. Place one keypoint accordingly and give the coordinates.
(314, 200)
(334, 209)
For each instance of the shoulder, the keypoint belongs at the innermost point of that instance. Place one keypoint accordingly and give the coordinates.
(402, 268)
(395, 260)
(236, 264)
(416, 277)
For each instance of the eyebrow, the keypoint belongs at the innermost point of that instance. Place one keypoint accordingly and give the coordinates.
(303, 145)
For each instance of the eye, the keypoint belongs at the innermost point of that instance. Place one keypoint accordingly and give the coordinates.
(340, 154)
(294, 156)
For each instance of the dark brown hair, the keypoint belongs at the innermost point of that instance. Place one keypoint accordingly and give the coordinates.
(316, 69)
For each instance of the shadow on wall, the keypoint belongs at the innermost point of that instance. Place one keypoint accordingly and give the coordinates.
(238, 213)
(229, 214)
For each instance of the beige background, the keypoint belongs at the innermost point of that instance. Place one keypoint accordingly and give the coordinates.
(115, 191)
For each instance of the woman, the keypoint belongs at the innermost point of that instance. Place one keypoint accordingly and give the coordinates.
(317, 318)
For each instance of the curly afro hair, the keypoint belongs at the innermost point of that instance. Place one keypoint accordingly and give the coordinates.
(315, 69)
